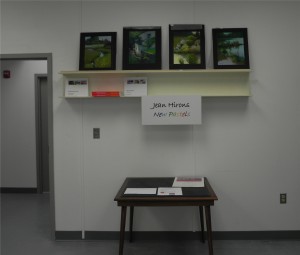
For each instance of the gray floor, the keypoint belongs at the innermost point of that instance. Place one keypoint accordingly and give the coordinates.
(25, 229)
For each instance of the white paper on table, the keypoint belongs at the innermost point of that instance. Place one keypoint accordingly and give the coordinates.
(141, 191)
(188, 182)
(169, 192)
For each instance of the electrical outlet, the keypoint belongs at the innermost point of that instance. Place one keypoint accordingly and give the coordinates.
(96, 133)
(283, 198)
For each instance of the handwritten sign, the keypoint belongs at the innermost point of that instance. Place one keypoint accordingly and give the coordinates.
(171, 110)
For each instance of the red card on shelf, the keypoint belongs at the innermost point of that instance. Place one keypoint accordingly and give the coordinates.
(105, 93)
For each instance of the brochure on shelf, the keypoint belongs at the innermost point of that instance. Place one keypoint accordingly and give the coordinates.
(135, 86)
(187, 181)
(105, 93)
(77, 87)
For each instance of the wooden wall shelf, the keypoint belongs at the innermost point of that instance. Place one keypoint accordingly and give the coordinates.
(204, 82)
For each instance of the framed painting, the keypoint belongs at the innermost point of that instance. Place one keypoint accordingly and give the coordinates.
(98, 51)
(141, 48)
(186, 46)
(230, 48)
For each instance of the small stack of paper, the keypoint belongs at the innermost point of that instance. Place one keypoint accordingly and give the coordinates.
(140, 191)
(169, 192)
(188, 182)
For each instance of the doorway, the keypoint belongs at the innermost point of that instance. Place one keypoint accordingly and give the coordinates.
(48, 107)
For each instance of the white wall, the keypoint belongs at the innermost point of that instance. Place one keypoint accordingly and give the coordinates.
(248, 148)
(18, 133)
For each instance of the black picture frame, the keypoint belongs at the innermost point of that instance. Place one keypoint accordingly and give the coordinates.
(142, 48)
(230, 48)
(98, 51)
(187, 46)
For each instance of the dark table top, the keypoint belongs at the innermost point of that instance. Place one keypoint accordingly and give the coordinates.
(189, 194)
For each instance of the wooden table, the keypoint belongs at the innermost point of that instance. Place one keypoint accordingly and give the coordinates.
(200, 197)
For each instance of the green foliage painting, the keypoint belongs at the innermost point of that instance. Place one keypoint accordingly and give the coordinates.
(97, 52)
(142, 47)
(186, 47)
(231, 48)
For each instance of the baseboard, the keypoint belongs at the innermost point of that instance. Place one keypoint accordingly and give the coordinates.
(68, 235)
(17, 190)
(180, 235)
(257, 235)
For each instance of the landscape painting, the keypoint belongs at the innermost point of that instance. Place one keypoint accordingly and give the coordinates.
(142, 48)
(231, 48)
(97, 51)
(187, 46)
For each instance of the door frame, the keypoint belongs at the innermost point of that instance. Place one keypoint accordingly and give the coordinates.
(48, 58)
(39, 164)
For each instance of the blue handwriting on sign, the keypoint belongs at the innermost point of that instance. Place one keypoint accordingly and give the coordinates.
(160, 114)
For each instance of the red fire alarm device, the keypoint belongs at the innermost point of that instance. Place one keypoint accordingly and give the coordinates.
(6, 74)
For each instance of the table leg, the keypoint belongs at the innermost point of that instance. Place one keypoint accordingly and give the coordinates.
(202, 223)
(209, 231)
(122, 229)
(131, 223)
